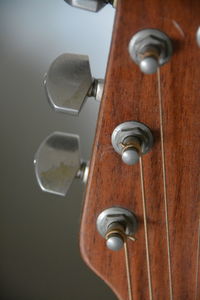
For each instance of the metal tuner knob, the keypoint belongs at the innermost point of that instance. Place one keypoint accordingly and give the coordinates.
(132, 140)
(69, 82)
(116, 225)
(150, 49)
(57, 162)
(91, 5)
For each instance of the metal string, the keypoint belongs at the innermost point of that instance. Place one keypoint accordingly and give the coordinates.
(128, 273)
(145, 229)
(197, 271)
(164, 181)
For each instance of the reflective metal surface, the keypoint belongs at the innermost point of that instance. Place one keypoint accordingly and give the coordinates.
(67, 82)
(91, 5)
(116, 215)
(132, 129)
(57, 162)
(115, 242)
(198, 36)
(130, 156)
(150, 48)
(99, 89)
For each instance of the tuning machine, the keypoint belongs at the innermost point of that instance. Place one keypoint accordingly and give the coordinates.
(57, 163)
(116, 224)
(132, 140)
(150, 49)
(91, 5)
(69, 82)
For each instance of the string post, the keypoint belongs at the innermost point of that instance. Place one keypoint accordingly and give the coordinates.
(116, 225)
(132, 140)
(116, 237)
(131, 150)
(150, 49)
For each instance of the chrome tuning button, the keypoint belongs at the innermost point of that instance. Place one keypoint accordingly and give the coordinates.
(91, 5)
(150, 49)
(69, 82)
(57, 163)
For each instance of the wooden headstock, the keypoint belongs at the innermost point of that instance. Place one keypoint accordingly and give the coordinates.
(131, 95)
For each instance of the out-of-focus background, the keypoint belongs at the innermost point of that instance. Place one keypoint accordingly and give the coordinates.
(39, 251)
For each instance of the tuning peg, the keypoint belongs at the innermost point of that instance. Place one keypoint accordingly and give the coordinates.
(150, 49)
(91, 5)
(132, 140)
(57, 162)
(116, 225)
(69, 82)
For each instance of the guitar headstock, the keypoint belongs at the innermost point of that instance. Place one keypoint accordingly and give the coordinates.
(162, 190)
(140, 229)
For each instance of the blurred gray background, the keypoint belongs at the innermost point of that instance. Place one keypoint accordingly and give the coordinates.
(39, 251)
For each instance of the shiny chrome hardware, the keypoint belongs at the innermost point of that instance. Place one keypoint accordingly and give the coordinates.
(69, 82)
(132, 140)
(198, 36)
(57, 162)
(150, 49)
(91, 5)
(116, 224)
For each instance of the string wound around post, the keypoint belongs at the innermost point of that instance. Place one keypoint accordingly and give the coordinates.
(117, 225)
(132, 140)
(150, 49)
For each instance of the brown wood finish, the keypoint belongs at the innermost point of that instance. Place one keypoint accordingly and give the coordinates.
(130, 95)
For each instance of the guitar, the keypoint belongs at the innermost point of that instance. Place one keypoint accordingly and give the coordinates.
(140, 228)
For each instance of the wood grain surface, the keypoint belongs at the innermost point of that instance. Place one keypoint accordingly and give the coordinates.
(131, 95)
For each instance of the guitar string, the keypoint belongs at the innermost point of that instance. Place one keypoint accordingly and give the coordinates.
(197, 270)
(164, 181)
(146, 229)
(128, 273)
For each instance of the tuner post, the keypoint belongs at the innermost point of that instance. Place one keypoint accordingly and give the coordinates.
(132, 140)
(115, 236)
(116, 225)
(150, 49)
